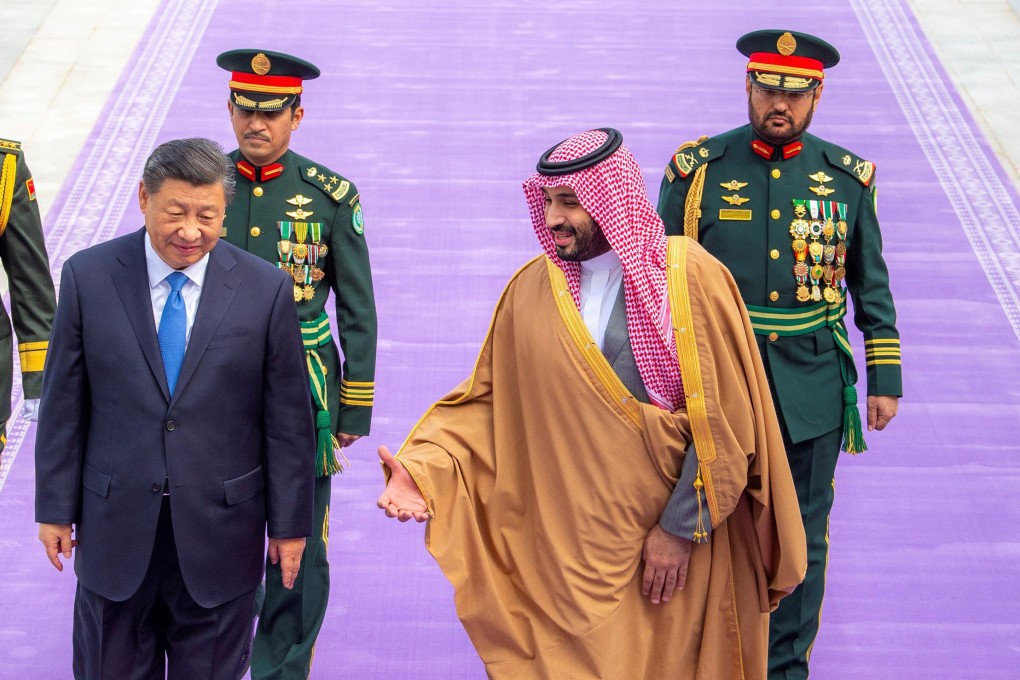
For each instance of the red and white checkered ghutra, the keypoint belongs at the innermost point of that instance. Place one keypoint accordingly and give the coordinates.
(613, 193)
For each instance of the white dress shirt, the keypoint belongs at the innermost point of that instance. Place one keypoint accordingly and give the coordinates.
(601, 278)
(159, 287)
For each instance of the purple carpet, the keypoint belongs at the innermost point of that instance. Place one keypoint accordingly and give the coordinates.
(438, 110)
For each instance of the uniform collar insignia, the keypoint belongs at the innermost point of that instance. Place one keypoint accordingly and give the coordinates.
(762, 149)
(768, 152)
(271, 171)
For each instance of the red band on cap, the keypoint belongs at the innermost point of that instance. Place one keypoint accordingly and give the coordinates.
(251, 82)
(777, 63)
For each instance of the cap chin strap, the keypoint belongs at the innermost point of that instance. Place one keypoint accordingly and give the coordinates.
(554, 169)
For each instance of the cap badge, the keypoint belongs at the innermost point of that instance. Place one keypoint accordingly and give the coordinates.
(786, 44)
(260, 64)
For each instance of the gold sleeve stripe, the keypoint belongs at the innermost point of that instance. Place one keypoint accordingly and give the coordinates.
(32, 360)
(353, 402)
(884, 362)
(369, 396)
(882, 353)
(27, 346)
(353, 383)
(882, 341)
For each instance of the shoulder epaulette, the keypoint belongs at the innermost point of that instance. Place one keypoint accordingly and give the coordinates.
(330, 183)
(9, 145)
(853, 165)
(690, 155)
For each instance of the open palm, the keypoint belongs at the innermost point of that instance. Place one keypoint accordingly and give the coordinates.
(401, 498)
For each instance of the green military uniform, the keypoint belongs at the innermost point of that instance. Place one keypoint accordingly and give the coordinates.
(23, 251)
(797, 227)
(307, 219)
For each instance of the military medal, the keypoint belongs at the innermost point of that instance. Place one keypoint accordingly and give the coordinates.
(317, 274)
(323, 250)
(316, 228)
(307, 293)
(284, 249)
(285, 229)
(298, 293)
(300, 231)
(300, 252)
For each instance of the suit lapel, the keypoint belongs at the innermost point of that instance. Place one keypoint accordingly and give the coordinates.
(217, 293)
(131, 280)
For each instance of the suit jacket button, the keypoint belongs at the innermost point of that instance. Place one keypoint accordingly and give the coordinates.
(157, 487)
(170, 425)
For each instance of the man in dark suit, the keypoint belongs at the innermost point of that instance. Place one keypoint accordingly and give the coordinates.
(167, 449)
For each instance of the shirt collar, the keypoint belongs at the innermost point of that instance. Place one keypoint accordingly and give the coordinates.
(158, 269)
(607, 261)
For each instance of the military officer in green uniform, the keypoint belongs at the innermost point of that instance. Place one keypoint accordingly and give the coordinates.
(23, 252)
(307, 219)
(794, 219)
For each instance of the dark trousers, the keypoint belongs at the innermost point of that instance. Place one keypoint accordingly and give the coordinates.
(794, 625)
(160, 631)
(291, 619)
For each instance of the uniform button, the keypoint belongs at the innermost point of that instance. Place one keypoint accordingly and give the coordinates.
(774, 254)
(258, 190)
(157, 487)
(775, 214)
(255, 231)
(773, 336)
(776, 173)
(774, 295)
(170, 425)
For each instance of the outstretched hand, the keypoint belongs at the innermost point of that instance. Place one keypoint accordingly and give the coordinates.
(401, 498)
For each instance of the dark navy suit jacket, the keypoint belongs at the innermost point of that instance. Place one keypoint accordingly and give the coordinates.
(236, 441)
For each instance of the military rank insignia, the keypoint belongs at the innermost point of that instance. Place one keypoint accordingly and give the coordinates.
(819, 232)
(30, 187)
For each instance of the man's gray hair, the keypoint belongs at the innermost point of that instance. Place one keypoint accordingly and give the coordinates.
(197, 161)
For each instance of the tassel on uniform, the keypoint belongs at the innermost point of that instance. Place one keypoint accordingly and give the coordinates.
(700, 535)
(326, 463)
(853, 433)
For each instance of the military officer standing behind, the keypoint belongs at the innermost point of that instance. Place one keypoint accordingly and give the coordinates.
(23, 252)
(307, 219)
(793, 217)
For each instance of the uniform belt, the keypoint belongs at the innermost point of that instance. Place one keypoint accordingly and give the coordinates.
(316, 334)
(796, 321)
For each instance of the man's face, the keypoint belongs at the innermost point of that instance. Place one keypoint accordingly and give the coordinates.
(780, 117)
(575, 234)
(183, 221)
(264, 136)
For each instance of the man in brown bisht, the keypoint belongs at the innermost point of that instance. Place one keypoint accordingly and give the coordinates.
(608, 492)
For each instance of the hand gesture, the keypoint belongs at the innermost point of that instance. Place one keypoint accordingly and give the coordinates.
(56, 539)
(401, 498)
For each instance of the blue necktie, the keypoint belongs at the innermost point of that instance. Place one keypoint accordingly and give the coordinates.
(173, 326)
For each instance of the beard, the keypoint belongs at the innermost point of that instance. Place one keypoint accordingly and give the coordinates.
(588, 243)
(760, 126)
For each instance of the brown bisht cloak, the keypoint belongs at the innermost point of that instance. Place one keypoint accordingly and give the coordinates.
(544, 475)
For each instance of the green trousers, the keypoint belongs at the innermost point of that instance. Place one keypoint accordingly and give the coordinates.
(290, 620)
(794, 625)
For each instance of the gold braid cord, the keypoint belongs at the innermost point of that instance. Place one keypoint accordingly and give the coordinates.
(7, 181)
(692, 209)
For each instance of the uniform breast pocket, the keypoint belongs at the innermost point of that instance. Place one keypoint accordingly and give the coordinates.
(230, 339)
